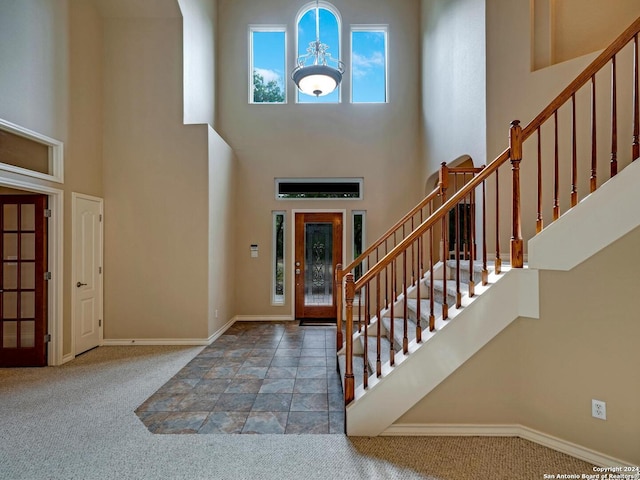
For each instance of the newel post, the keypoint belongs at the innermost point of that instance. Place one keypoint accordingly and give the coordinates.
(339, 305)
(515, 149)
(349, 383)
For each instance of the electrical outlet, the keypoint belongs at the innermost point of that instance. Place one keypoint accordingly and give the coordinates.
(598, 409)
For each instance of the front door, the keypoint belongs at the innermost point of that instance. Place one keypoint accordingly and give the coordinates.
(23, 292)
(87, 269)
(318, 250)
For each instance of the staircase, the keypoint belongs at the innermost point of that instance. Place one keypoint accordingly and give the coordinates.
(429, 295)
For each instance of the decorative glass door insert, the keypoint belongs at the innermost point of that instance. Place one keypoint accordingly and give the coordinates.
(318, 251)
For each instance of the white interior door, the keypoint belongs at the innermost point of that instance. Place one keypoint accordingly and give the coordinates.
(87, 272)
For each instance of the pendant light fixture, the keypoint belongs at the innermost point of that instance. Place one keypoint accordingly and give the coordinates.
(314, 74)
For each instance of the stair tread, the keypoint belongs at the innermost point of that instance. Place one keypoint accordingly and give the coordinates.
(398, 329)
(425, 307)
(385, 346)
(451, 286)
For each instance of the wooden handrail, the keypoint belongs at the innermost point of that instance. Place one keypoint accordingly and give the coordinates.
(431, 221)
(391, 231)
(600, 61)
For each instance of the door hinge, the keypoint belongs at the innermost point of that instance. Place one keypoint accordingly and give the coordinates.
(99, 270)
(47, 338)
(100, 217)
(47, 213)
(100, 322)
(47, 275)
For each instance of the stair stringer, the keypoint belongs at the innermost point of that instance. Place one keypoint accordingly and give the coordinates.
(514, 294)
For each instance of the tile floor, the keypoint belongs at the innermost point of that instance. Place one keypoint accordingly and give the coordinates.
(256, 378)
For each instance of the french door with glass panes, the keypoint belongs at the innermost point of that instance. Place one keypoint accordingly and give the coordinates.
(23, 293)
(318, 250)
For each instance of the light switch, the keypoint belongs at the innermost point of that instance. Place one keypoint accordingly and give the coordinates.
(254, 250)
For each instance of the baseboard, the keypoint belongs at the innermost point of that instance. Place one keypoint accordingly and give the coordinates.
(67, 358)
(194, 342)
(263, 318)
(549, 441)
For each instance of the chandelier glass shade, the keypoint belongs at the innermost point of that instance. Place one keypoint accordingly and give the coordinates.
(317, 73)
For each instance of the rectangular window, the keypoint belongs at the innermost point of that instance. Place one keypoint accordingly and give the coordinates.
(327, 188)
(358, 241)
(278, 258)
(267, 64)
(369, 64)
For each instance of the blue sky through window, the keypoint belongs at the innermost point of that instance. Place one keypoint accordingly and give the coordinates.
(328, 35)
(269, 57)
(368, 66)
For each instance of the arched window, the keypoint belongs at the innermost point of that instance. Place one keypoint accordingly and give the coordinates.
(330, 28)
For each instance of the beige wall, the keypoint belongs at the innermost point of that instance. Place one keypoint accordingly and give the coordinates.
(453, 82)
(567, 29)
(377, 142)
(543, 373)
(155, 185)
(222, 249)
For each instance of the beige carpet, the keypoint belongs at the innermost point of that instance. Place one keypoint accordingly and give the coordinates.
(78, 422)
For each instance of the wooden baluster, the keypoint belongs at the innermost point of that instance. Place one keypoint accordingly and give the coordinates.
(413, 253)
(349, 383)
(498, 261)
(556, 170)
(485, 271)
(444, 254)
(386, 280)
(456, 220)
(635, 147)
(432, 317)
(379, 332)
(472, 246)
(367, 318)
(614, 119)
(339, 339)
(574, 155)
(418, 306)
(593, 180)
(515, 148)
(392, 356)
(360, 313)
(405, 313)
(539, 222)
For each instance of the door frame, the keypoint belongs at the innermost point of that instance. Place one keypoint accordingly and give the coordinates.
(74, 197)
(55, 244)
(294, 211)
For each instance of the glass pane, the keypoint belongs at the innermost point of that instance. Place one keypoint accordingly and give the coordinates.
(358, 220)
(27, 275)
(10, 275)
(27, 246)
(9, 334)
(268, 67)
(10, 246)
(27, 305)
(368, 67)
(10, 217)
(330, 36)
(10, 305)
(28, 217)
(278, 270)
(318, 264)
(27, 334)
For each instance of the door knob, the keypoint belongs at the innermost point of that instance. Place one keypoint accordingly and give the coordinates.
(79, 284)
